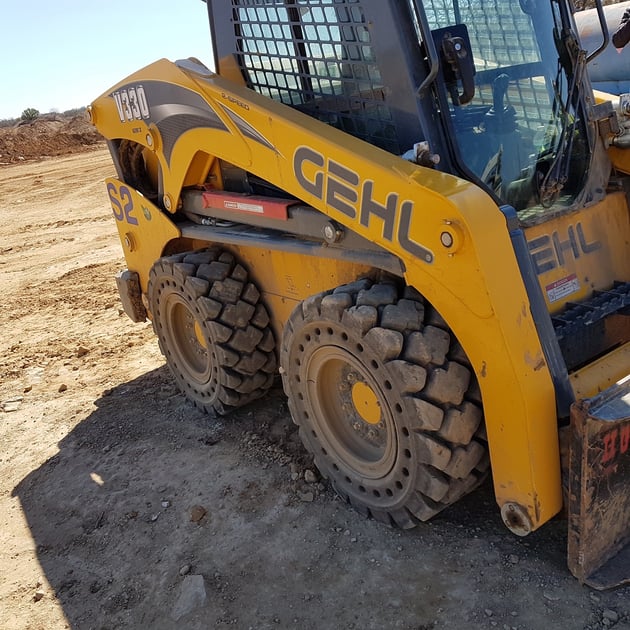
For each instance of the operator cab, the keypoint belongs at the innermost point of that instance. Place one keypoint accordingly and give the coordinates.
(522, 130)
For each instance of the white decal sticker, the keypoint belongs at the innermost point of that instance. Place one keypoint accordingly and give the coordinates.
(244, 207)
(562, 288)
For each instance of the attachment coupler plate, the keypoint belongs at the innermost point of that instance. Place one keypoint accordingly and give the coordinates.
(599, 488)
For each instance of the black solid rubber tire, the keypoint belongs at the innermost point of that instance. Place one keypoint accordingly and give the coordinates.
(212, 329)
(131, 156)
(381, 402)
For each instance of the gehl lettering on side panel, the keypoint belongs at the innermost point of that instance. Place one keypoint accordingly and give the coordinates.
(343, 190)
(550, 251)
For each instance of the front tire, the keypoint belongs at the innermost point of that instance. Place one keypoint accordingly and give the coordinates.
(212, 329)
(388, 417)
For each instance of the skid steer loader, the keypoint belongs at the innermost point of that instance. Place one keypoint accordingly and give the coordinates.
(417, 214)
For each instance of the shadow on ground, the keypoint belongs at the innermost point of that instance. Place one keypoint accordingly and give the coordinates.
(152, 515)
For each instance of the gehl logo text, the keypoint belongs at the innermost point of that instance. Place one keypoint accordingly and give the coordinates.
(550, 251)
(343, 190)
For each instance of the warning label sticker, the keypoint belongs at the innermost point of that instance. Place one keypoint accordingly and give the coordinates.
(243, 207)
(561, 288)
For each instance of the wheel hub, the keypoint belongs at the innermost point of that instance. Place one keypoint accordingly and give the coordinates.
(366, 403)
(199, 335)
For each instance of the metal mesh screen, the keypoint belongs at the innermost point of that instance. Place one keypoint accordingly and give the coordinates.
(316, 56)
(501, 36)
(499, 31)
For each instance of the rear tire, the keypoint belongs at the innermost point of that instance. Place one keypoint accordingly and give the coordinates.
(380, 405)
(212, 329)
(134, 160)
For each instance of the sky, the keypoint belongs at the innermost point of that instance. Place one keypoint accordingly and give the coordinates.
(61, 54)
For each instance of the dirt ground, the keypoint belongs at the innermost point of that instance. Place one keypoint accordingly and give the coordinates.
(121, 506)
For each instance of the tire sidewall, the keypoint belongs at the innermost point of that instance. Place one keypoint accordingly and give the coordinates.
(167, 289)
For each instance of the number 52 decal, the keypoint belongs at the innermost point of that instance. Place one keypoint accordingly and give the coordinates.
(122, 203)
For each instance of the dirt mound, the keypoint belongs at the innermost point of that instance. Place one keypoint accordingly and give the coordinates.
(47, 136)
